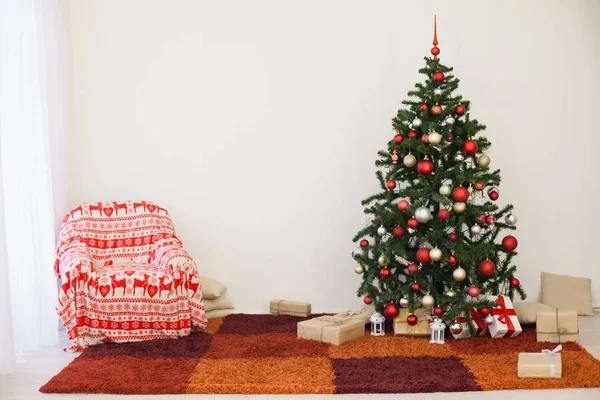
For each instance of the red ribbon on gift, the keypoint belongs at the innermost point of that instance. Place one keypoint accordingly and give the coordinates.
(479, 322)
(503, 315)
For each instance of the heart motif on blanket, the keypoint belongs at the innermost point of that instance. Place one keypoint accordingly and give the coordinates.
(107, 263)
(104, 289)
(129, 273)
(108, 211)
(151, 207)
(152, 290)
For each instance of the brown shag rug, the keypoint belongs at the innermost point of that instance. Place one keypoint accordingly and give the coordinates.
(260, 354)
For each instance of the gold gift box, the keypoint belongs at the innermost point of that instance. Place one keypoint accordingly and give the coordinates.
(284, 307)
(402, 328)
(540, 365)
(332, 329)
(558, 326)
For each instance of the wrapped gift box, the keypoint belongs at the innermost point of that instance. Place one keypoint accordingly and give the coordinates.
(332, 329)
(558, 326)
(422, 328)
(362, 313)
(505, 323)
(547, 364)
(480, 326)
(285, 307)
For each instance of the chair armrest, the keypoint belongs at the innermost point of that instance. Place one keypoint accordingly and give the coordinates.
(169, 255)
(72, 261)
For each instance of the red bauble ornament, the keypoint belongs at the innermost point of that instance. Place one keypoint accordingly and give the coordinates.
(391, 184)
(423, 255)
(413, 223)
(367, 300)
(509, 243)
(412, 135)
(412, 268)
(423, 107)
(436, 110)
(474, 291)
(480, 219)
(443, 214)
(415, 287)
(438, 311)
(459, 109)
(425, 139)
(403, 205)
(398, 139)
(452, 260)
(486, 268)
(438, 76)
(452, 237)
(391, 311)
(460, 194)
(412, 320)
(425, 167)
(514, 282)
(490, 220)
(484, 311)
(398, 232)
(378, 217)
(493, 195)
(364, 243)
(385, 273)
(450, 138)
(469, 147)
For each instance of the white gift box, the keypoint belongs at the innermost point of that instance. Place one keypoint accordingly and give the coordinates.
(505, 323)
(480, 326)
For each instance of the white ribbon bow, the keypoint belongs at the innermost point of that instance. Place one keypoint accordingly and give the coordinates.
(551, 353)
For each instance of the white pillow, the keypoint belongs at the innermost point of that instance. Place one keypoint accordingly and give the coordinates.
(567, 293)
(218, 313)
(211, 288)
(217, 304)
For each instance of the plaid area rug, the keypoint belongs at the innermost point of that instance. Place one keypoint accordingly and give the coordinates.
(260, 354)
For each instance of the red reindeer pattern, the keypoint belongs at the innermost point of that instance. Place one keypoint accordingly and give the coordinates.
(97, 207)
(192, 286)
(137, 205)
(83, 276)
(67, 283)
(93, 283)
(164, 286)
(177, 282)
(159, 209)
(121, 206)
(115, 284)
(73, 211)
(143, 283)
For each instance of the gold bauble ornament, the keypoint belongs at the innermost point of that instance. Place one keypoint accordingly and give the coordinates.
(459, 207)
(436, 110)
(459, 274)
(450, 293)
(483, 160)
(427, 301)
(409, 160)
(359, 269)
(383, 260)
(435, 138)
(435, 254)
(445, 190)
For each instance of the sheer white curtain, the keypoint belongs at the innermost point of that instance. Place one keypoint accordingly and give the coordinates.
(32, 64)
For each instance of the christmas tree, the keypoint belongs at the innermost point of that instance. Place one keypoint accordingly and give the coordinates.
(432, 234)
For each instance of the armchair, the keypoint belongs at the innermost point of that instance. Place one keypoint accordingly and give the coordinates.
(125, 275)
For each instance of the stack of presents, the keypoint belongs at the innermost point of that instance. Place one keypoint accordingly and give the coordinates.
(556, 318)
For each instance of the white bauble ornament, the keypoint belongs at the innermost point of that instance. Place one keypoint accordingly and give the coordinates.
(476, 230)
(381, 231)
(511, 219)
(459, 274)
(423, 214)
(435, 138)
(359, 269)
(450, 120)
(409, 160)
(483, 160)
(445, 190)
(417, 123)
(437, 92)
(459, 156)
(427, 301)
(459, 207)
(450, 293)
(489, 319)
(435, 254)
(404, 302)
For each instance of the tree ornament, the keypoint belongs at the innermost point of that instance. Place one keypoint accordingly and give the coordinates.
(460, 194)
(449, 139)
(437, 92)
(385, 273)
(403, 205)
(459, 274)
(378, 217)
(452, 260)
(413, 223)
(364, 243)
(404, 302)
(438, 311)
(436, 110)
(459, 156)
(398, 139)
(423, 214)
(443, 214)
(391, 311)
(412, 135)
(469, 147)
(412, 268)
(474, 291)
(417, 123)
(489, 320)
(367, 300)
(475, 230)
(395, 157)
(423, 255)
(423, 107)
(459, 109)
(398, 232)
(425, 139)
(438, 76)
(450, 293)
(483, 160)
(487, 268)
(435, 254)
(381, 231)
(435, 138)
(456, 328)
(514, 282)
(411, 232)
(427, 301)
(383, 260)
(415, 287)
(490, 219)
(391, 184)
(511, 219)
(445, 190)
(484, 311)
(452, 237)
(480, 185)
(425, 167)
(409, 160)
(493, 193)
(509, 243)
(480, 219)
(412, 320)
(450, 120)
(459, 207)
(359, 269)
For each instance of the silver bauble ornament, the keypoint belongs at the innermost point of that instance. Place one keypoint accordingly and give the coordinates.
(459, 156)
(417, 123)
(489, 319)
(359, 269)
(423, 214)
(358, 252)
(511, 219)
(450, 293)
(483, 160)
(383, 260)
(456, 328)
(409, 160)
(437, 92)
(381, 231)
(450, 120)
(435, 254)
(459, 274)
(404, 302)
(427, 301)
(445, 190)
(411, 231)
(435, 138)
(459, 207)
(476, 230)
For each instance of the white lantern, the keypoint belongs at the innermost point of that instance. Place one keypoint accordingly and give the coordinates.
(377, 324)
(437, 331)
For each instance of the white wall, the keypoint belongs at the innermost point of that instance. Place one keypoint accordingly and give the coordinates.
(257, 125)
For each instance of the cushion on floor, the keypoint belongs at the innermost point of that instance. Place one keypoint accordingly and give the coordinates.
(567, 292)
(527, 311)
(211, 288)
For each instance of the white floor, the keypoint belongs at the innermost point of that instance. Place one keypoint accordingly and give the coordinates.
(40, 366)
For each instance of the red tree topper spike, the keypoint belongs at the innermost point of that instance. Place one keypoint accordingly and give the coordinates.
(435, 50)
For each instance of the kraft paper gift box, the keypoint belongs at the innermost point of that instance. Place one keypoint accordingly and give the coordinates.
(505, 323)
(285, 307)
(558, 326)
(362, 313)
(331, 329)
(547, 364)
(480, 326)
(422, 328)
